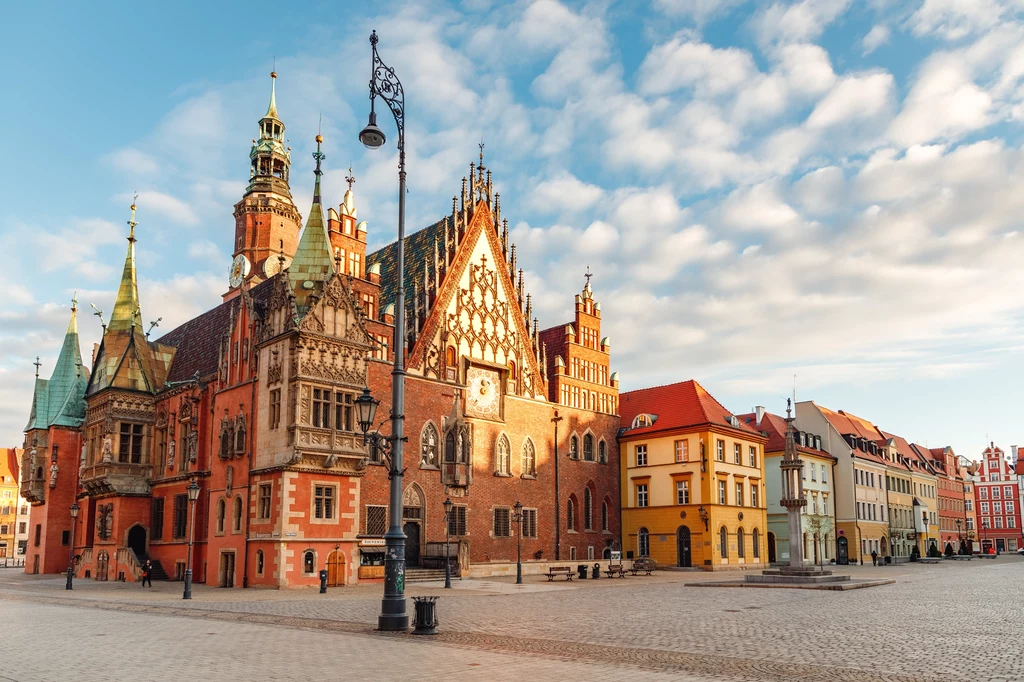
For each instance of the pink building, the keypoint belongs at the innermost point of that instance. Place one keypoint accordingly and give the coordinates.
(997, 500)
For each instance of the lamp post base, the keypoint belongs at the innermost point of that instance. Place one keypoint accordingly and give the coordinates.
(519, 573)
(188, 584)
(393, 616)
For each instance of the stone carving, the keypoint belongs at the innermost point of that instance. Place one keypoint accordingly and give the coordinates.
(104, 521)
(170, 454)
(481, 319)
(275, 368)
(240, 434)
(82, 459)
(53, 474)
(108, 449)
(229, 478)
(193, 445)
(330, 461)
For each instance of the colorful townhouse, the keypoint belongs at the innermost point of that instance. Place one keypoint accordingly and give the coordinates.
(899, 490)
(997, 497)
(692, 492)
(951, 508)
(817, 520)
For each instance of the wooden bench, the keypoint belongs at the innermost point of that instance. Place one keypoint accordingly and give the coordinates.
(929, 560)
(645, 564)
(615, 571)
(555, 571)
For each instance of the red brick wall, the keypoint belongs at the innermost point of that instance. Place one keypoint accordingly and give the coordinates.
(53, 517)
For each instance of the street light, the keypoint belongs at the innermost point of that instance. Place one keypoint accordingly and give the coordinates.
(558, 502)
(959, 537)
(447, 543)
(193, 495)
(517, 517)
(71, 550)
(385, 84)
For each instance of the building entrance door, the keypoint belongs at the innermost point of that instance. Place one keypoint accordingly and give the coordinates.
(137, 541)
(683, 554)
(1000, 545)
(35, 565)
(771, 548)
(412, 544)
(335, 569)
(227, 569)
(842, 551)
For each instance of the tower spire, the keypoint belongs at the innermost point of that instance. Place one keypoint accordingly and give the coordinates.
(127, 311)
(314, 258)
(272, 109)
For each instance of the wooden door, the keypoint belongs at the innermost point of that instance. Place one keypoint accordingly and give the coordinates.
(335, 569)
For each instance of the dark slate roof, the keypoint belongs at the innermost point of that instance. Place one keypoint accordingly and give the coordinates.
(198, 340)
(419, 248)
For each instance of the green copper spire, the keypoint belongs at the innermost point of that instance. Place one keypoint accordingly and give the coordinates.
(314, 259)
(127, 312)
(60, 401)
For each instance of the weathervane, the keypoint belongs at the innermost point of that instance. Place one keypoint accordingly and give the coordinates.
(350, 178)
(38, 365)
(99, 314)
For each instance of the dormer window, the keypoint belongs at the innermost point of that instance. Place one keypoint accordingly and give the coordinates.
(643, 420)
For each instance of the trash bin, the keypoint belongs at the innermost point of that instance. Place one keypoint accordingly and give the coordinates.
(582, 568)
(888, 560)
(426, 616)
(595, 572)
(323, 582)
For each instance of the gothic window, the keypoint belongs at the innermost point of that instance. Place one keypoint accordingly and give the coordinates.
(464, 450)
(602, 452)
(570, 514)
(642, 420)
(529, 458)
(449, 447)
(237, 527)
(604, 515)
(574, 447)
(502, 456)
(225, 442)
(741, 551)
(428, 446)
(588, 448)
(130, 443)
(723, 542)
(321, 408)
(643, 542)
(449, 356)
(259, 562)
(275, 408)
(512, 374)
(220, 516)
(180, 516)
(588, 509)
(263, 501)
(240, 436)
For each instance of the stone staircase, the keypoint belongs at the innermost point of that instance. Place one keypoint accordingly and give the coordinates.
(423, 575)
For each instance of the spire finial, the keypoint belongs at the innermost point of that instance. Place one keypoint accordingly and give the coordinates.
(350, 178)
(481, 145)
(272, 109)
(74, 303)
(131, 221)
(789, 409)
(319, 157)
(38, 365)
(588, 275)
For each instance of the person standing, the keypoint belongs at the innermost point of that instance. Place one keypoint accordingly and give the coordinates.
(147, 573)
(874, 557)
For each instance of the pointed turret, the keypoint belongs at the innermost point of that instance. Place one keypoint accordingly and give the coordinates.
(60, 400)
(314, 258)
(127, 311)
(272, 109)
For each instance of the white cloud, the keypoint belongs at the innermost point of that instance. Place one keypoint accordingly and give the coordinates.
(564, 192)
(797, 21)
(163, 205)
(685, 63)
(758, 208)
(956, 19)
(943, 103)
(878, 35)
(856, 97)
(132, 160)
(821, 191)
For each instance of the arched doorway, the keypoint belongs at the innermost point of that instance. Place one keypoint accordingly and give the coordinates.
(684, 558)
(137, 541)
(842, 551)
(771, 548)
(885, 547)
(413, 514)
(335, 569)
(102, 561)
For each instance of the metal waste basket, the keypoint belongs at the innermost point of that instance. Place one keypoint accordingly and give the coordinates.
(426, 616)
(582, 569)
(595, 572)
(323, 582)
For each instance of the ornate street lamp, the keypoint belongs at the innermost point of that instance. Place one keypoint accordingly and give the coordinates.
(517, 517)
(702, 513)
(71, 550)
(193, 495)
(447, 543)
(385, 84)
(558, 502)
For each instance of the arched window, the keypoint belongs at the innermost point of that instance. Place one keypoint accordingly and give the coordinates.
(588, 448)
(741, 552)
(570, 514)
(588, 509)
(259, 562)
(574, 447)
(723, 542)
(308, 562)
(643, 542)
(238, 514)
(757, 544)
(240, 436)
(220, 516)
(529, 458)
(602, 452)
(604, 515)
(512, 370)
(449, 356)
(449, 447)
(502, 456)
(225, 443)
(642, 420)
(428, 446)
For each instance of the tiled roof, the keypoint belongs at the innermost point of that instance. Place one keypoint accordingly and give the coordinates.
(846, 424)
(1020, 462)
(680, 405)
(9, 462)
(419, 249)
(313, 264)
(60, 400)
(198, 340)
(775, 426)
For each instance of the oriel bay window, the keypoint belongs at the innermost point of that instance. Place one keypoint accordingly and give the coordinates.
(332, 409)
(130, 444)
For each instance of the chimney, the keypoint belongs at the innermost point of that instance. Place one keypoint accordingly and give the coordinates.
(759, 412)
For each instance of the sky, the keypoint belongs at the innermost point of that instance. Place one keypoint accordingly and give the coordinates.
(824, 193)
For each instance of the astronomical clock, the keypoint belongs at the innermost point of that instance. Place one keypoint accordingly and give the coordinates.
(483, 393)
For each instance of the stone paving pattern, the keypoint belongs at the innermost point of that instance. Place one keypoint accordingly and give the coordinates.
(948, 621)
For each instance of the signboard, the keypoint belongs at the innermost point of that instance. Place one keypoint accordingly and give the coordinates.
(372, 542)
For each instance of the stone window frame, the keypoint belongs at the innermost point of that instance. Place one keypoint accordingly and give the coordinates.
(588, 508)
(501, 522)
(269, 498)
(305, 555)
(528, 459)
(429, 425)
(502, 459)
(335, 498)
(221, 516)
(260, 563)
(237, 514)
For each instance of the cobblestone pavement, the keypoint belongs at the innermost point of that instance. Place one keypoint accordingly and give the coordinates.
(934, 623)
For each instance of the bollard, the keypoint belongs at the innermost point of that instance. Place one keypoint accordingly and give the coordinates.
(426, 616)
(323, 582)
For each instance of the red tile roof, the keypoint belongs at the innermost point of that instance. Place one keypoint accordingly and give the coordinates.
(847, 424)
(676, 406)
(1020, 462)
(775, 427)
(10, 457)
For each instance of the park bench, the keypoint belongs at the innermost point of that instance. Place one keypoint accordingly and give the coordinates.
(960, 557)
(615, 571)
(555, 571)
(645, 564)
(929, 560)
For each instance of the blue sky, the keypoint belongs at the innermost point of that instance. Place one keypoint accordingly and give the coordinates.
(821, 188)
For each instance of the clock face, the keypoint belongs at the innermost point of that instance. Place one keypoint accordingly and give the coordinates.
(274, 265)
(483, 393)
(239, 270)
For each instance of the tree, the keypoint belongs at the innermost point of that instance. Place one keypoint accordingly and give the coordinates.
(820, 525)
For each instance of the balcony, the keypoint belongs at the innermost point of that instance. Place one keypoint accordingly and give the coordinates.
(455, 474)
(116, 477)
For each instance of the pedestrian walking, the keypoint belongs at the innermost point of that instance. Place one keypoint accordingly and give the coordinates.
(874, 557)
(147, 573)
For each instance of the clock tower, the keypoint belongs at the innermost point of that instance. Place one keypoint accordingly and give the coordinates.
(267, 223)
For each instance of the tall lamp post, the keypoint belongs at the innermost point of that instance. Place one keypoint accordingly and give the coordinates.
(193, 495)
(71, 549)
(385, 85)
(447, 543)
(959, 537)
(558, 503)
(517, 517)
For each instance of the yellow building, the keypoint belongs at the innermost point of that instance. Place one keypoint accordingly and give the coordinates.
(692, 480)
(9, 504)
